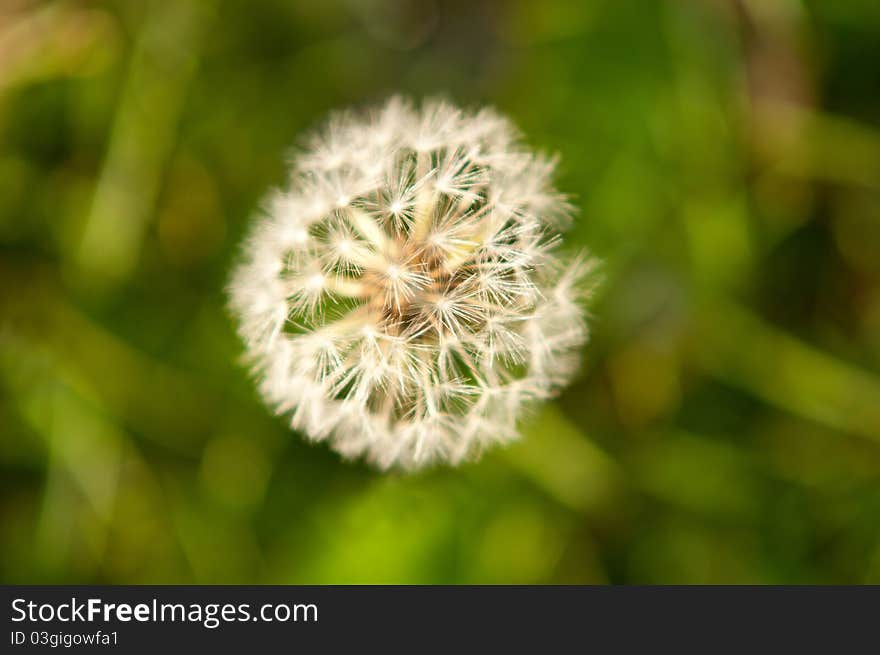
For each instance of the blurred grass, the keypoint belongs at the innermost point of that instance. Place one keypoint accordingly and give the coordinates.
(726, 159)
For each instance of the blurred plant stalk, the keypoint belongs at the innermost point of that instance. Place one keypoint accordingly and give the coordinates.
(161, 67)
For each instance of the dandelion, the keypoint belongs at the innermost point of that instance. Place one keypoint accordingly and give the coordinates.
(404, 298)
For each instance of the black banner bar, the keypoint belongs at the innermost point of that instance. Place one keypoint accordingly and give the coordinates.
(323, 619)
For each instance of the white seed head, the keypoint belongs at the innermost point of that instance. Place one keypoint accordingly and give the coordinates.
(404, 297)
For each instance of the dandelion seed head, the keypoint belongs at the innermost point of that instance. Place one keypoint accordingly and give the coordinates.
(404, 298)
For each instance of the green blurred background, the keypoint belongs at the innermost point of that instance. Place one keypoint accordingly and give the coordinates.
(725, 427)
